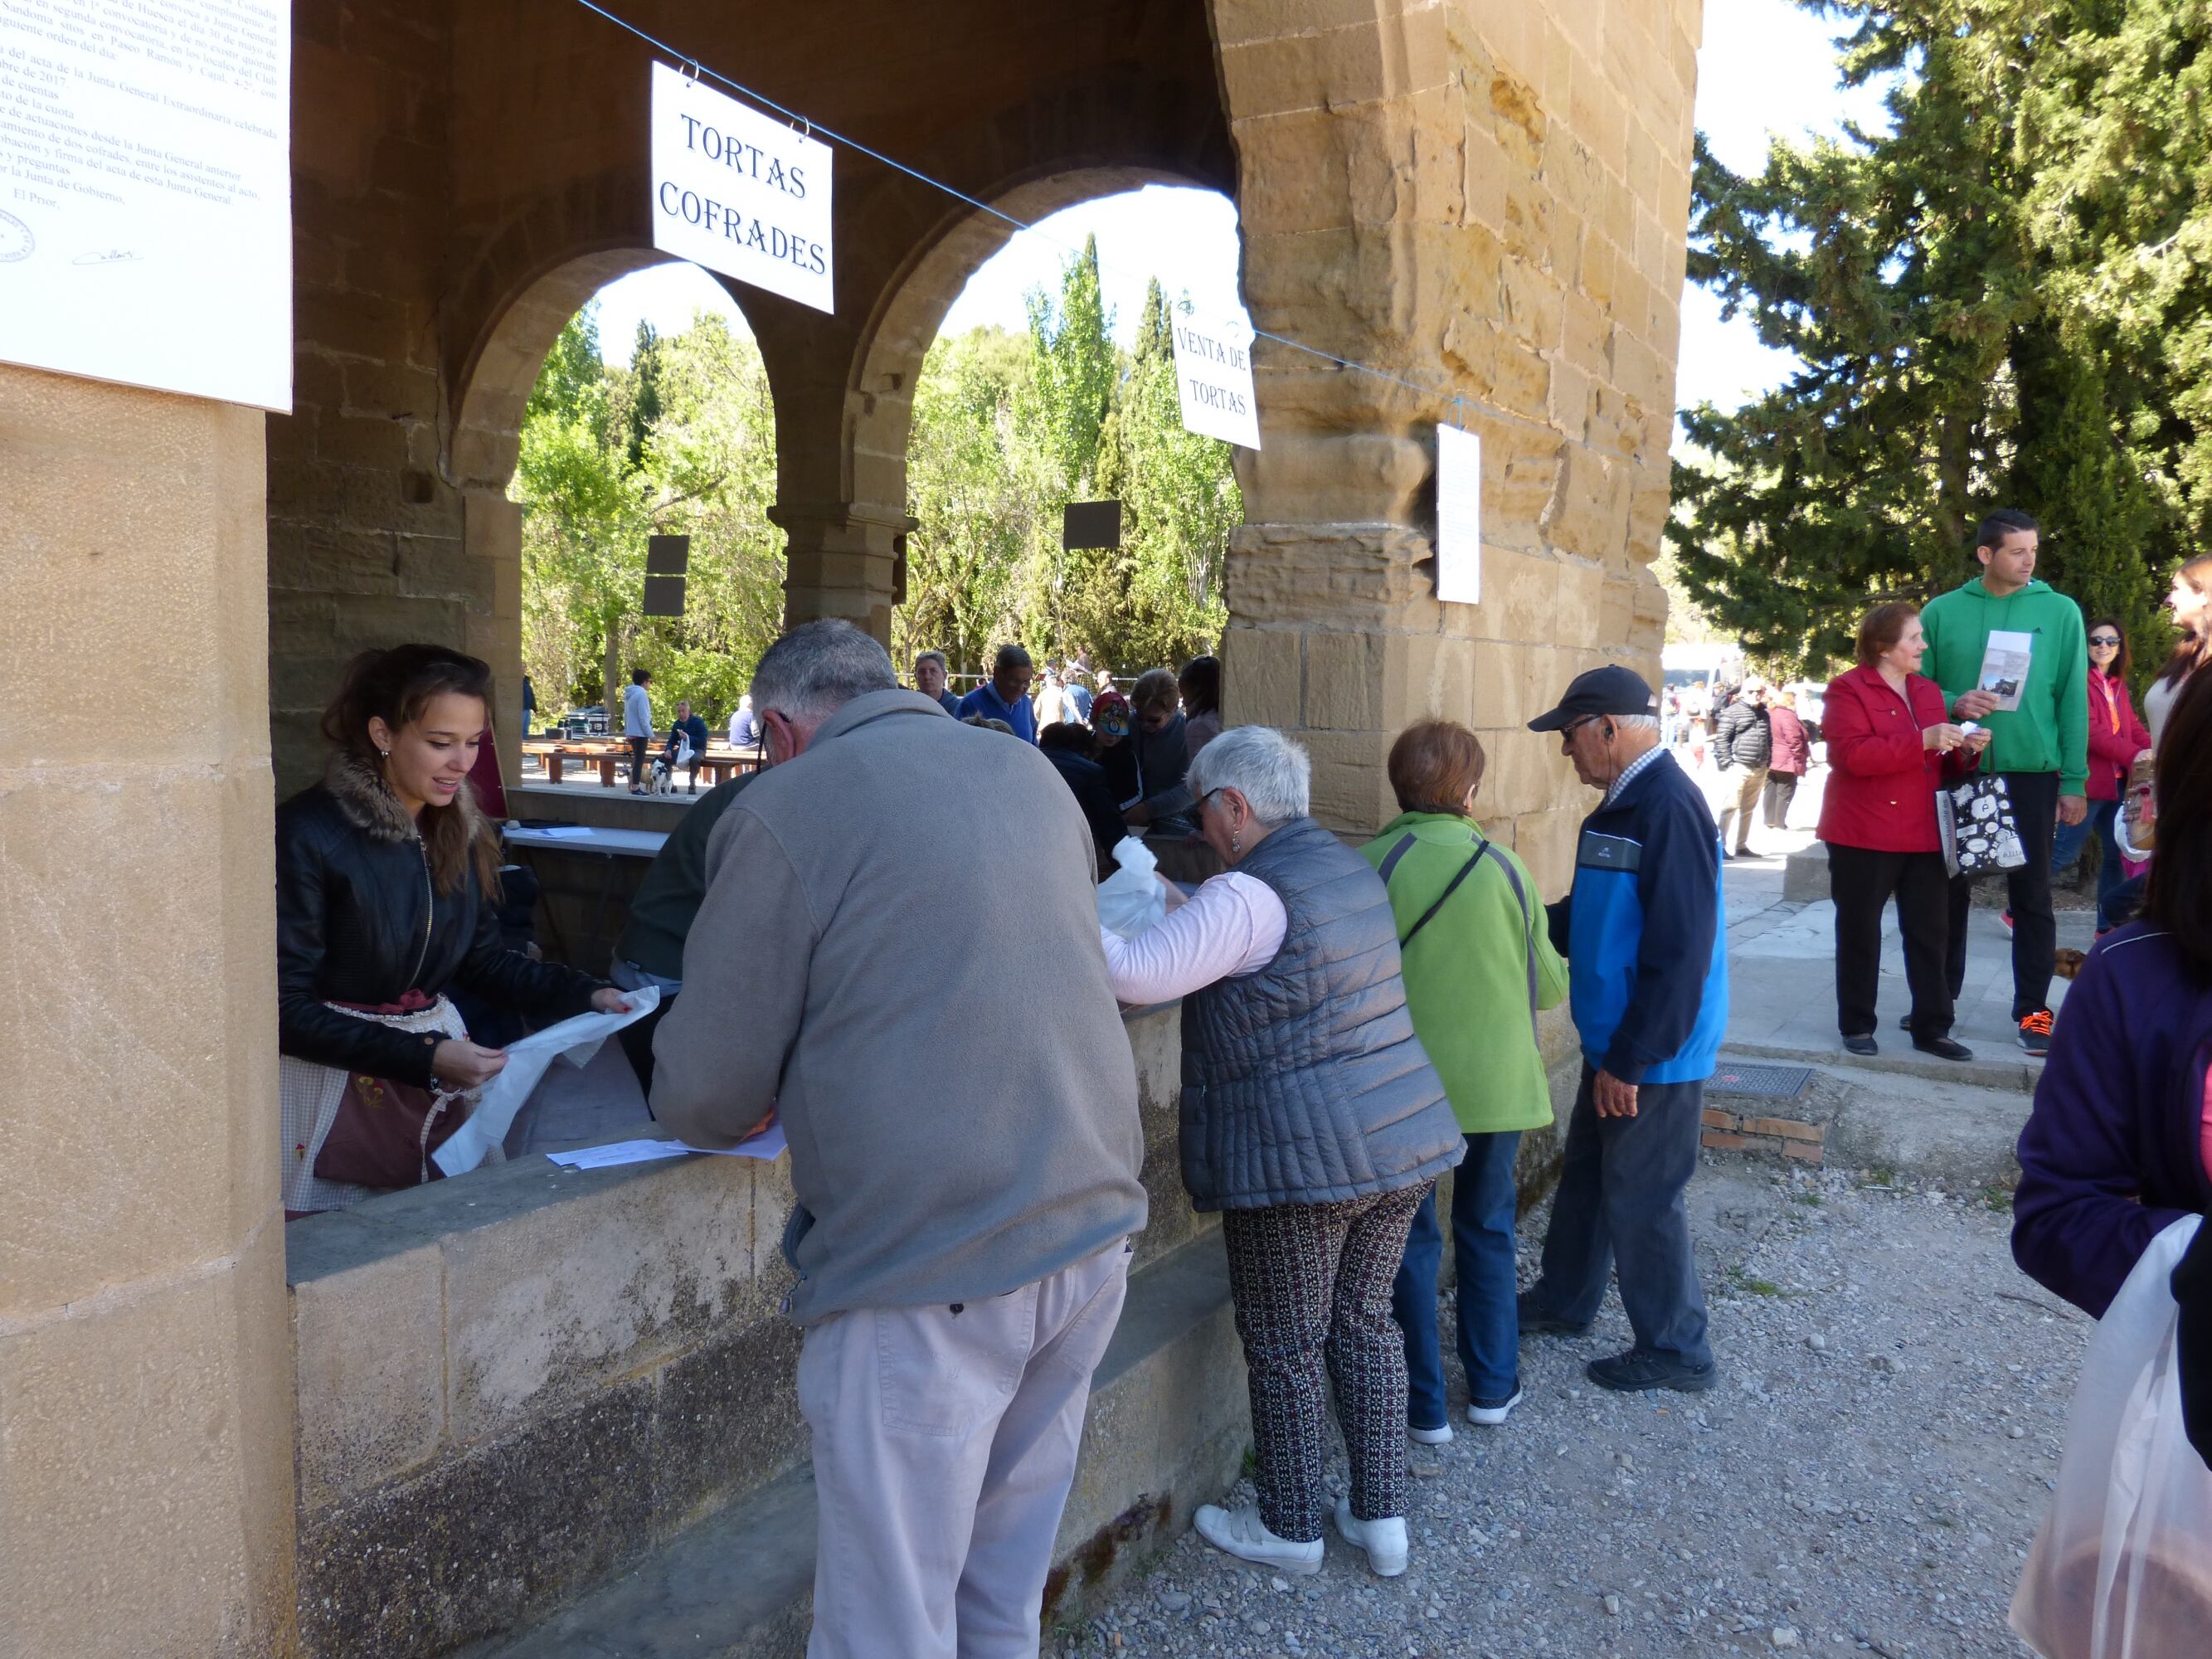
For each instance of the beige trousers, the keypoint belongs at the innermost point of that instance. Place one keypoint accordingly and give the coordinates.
(1746, 799)
(945, 1443)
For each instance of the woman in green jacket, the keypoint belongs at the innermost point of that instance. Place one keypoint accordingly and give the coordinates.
(1479, 964)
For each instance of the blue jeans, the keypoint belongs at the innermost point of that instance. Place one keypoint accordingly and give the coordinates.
(1483, 1206)
(2073, 837)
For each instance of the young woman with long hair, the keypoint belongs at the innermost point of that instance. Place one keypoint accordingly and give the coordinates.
(2117, 740)
(388, 881)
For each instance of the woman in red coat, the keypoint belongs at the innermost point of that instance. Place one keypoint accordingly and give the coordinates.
(1888, 736)
(2116, 738)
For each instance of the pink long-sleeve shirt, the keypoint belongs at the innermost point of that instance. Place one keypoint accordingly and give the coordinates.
(1231, 926)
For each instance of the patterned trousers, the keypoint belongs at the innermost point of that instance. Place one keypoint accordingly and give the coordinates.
(1312, 1283)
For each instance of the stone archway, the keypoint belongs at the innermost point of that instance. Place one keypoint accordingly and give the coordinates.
(482, 444)
(880, 398)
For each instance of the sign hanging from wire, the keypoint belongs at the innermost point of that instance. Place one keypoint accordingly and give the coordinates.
(740, 193)
(1214, 377)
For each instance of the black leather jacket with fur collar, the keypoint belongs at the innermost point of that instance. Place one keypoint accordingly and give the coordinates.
(357, 922)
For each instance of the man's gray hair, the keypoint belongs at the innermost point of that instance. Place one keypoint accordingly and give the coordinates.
(1624, 723)
(818, 668)
(1271, 773)
(1010, 656)
(937, 657)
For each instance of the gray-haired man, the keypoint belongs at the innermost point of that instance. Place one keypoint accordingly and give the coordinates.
(966, 1173)
(930, 674)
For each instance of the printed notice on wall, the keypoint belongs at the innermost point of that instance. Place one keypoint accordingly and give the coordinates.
(1214, 377)
(738, 192)
(1459, 516)
(146, 193)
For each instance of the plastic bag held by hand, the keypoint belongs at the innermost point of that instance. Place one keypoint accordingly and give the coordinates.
(2122, 1566)
(1132, 900)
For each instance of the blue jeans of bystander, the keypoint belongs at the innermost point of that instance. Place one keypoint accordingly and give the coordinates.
(1483, 1204)
(2073, 837)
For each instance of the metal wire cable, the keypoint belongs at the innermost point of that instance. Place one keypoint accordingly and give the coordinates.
(1457, 399)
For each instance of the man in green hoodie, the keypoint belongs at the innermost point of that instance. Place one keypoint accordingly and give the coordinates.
(2039, 724)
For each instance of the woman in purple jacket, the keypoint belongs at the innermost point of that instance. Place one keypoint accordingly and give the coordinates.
(2120, 1145)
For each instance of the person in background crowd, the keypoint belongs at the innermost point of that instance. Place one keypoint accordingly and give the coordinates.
(686, 727)
(387, 883)
(1199, 682)
(1314, 1122)
(1005, 695)
(965, 1174)
(1479, 966)
(1045, 705)
(1744, 738)
(930, 676)
(650, 951)
(1888, 748)
(745, 730)
(529, 705)
(1792, 755)
(1647, 965)
(1147, 772)
(2190, 601)
(637, 725)
(1073, 750)
(2117, 740)
(2119, 1143)
(2041, 748)
(1075, 693)
(1110, 722)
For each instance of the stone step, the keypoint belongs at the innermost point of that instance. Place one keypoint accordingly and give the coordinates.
(1166, 1430)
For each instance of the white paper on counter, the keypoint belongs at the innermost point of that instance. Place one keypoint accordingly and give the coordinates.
(574, 1041)
(771, 1145)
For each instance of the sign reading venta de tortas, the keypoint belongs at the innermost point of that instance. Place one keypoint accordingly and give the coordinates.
(738, 192)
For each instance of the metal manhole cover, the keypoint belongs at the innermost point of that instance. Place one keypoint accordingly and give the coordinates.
(1768, 1082)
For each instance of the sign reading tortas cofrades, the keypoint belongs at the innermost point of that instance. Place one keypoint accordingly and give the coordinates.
(739, 193)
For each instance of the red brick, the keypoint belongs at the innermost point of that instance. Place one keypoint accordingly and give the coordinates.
(1724, 1143)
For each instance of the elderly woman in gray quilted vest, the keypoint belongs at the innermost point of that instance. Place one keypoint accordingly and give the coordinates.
(1313, 1120)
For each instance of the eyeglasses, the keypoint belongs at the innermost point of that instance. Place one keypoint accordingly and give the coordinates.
(1568, 731)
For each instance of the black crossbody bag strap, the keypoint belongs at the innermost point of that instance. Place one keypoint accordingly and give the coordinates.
(1483, 849)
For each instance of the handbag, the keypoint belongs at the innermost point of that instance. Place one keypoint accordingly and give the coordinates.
(1980, 834)
(385, 1130)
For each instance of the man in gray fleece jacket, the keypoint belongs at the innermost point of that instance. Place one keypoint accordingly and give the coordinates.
(966, 1168)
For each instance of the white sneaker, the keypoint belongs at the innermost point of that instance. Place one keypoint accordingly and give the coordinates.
(1243, 1534)
(1384, 1541)
(1490, 1416)
(1437, 1437)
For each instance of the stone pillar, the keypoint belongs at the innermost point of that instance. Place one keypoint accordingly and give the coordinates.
(146, 1497)
(842, 559)
(1487, 201)
(491, 538)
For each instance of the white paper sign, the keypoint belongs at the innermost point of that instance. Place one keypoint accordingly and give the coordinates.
(2005, 659)
(146, 193)
(738, 192)
(1459, 516)
(1214, 377)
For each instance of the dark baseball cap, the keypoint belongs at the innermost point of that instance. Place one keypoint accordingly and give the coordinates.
(1609, 690)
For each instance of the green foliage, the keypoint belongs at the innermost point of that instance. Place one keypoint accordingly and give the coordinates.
(1007, 429)
(2001, 301)
(686, 446)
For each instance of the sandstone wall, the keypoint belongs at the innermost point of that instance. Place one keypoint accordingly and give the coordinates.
(1489, 199)
(145, 1370)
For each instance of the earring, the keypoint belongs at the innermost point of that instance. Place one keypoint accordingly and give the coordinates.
(1236, 842)
(387, 753)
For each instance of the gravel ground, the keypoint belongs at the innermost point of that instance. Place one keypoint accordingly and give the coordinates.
(1866, 1476)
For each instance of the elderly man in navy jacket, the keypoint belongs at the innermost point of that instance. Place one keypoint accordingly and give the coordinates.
(1648, 972)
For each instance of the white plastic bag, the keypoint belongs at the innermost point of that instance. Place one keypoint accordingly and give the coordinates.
(573, 1040)
(1132, 900)
(2122, 1566)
